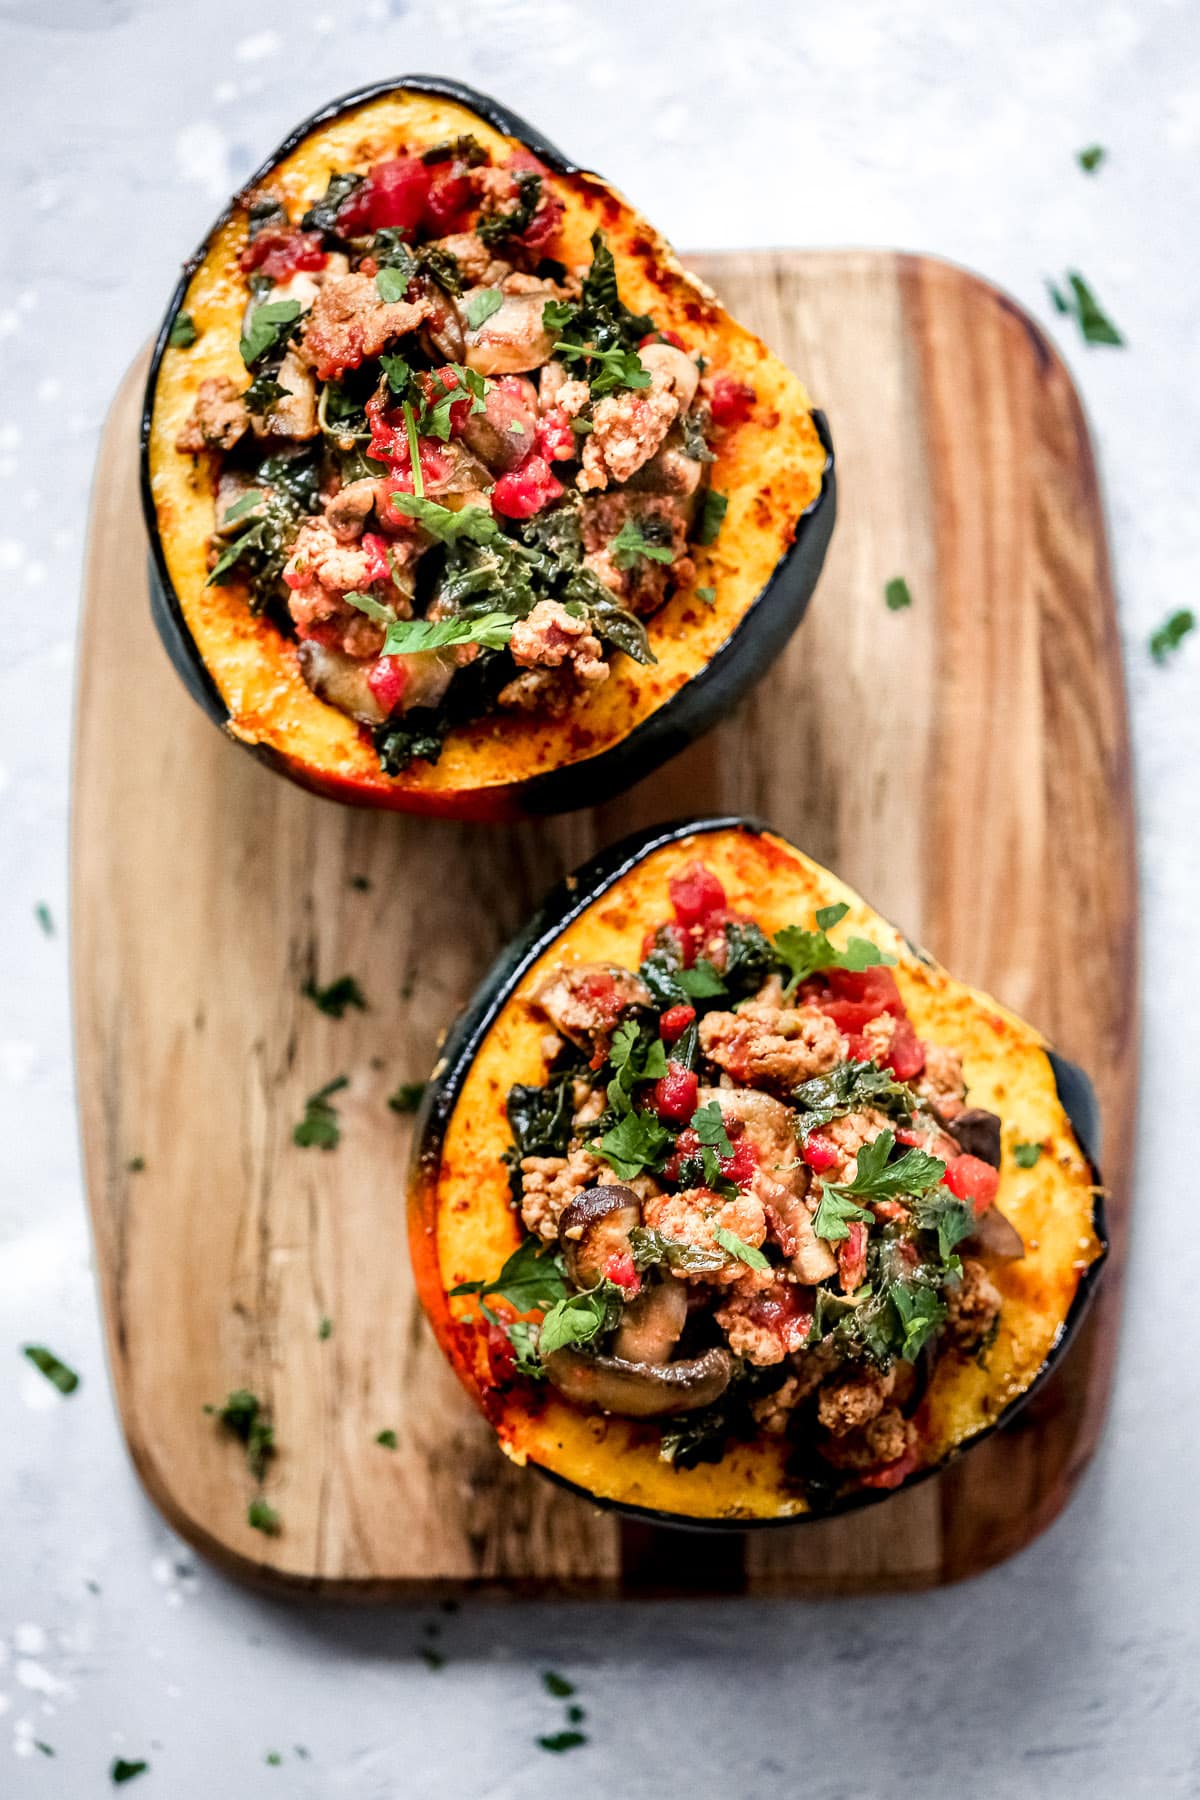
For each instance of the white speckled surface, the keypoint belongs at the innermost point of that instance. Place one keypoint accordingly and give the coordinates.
(1071, 1671)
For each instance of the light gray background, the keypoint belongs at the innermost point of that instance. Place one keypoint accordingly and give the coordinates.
(949, 128)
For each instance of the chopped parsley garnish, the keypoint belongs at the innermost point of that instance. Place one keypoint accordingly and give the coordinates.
(183, 333)
(557, 1685)
(407, 1097)
(56, 1371)
(558, 1741)
(531, 1280)
(598, 335)
(806, 952)
(475, 523)
(911, 1175)
(122, 1770)
(273, 1759)
(361, 883)
(897, 594)
(1026, 1155)
(707, 594)
(746, 1253)
(336, 997)
(702, 981)
(388, 1439)
(482, 304)
(44, 917)
(580, 1318)
(319, 1126)
(1090, 159)
(835, 1214)
(712, 516)
(631, 543)
(270, 326)
(262, 1516)
(1171, 633)
(432, 1658)
(635, 1143)
(245, 1416)
(435, 420)
(392, 284)
(1082, 305)
(406, 636)
(398, 372)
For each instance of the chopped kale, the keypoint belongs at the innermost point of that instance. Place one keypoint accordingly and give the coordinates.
(849, 1087)
(322, 214)
(418, 738)
(183, 333)
(493, 228)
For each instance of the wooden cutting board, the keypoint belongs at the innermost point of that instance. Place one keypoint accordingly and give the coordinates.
(964, 763)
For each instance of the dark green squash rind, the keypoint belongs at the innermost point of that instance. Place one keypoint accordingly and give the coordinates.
(563, 905)
(712, 692)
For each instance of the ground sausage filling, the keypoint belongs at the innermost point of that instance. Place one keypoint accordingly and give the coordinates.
(460, 474)
(755, 1200)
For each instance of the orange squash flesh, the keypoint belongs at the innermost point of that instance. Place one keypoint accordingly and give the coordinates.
(775, 468)
(463, 1226)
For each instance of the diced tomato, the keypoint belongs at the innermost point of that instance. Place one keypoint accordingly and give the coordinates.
(969, 1178)
(600, 990)
(876, 986)
(675, 1092)
(280, 253)
(375, 548)
(785, 1310)
(819, 1152)
(448, 199)
(893, 1473)
(436, 385)
(523, 160)
(397, 193)
(524, 491)
(665, 937)
(905, 1054)
(555, 439)
(687, 1144)
(501, 1356)
(852, 1257)
(674, 1022)
(730, 400)
(662, 337)
(543, 226)
(742, 1166)
(695, 894)
(619, 1268)
(387, 680)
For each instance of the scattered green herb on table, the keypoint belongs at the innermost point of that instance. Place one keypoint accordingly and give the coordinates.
(136, 1164)
(388, 1439)
(336, 997)
(261, 1516)
(1090, 159)
(1081, 304)
(57, 1372)
(558, 1741)
(1026, 1155)
(325, 1329)
(1171, 633)
(122, 1771)
(44, 917)
(407, 1097)
(319, 1126)
(897, 594)
(245, 1416)
(556, 1684)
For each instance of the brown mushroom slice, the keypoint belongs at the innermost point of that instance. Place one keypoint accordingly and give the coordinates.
(640, 1390)
(594, 1228)
(513, 339)
(341, 680)
(652, 1322)
(996, 1236)
(977, 1133)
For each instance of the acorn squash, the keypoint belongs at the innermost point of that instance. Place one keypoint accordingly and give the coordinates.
(723, 622)
(953, 1260)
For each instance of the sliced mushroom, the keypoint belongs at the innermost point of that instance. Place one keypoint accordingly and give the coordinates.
(678, 368)
(341, 680)
(502, 435)
(977, 1133)
(996, 1236)
(640, 1390)
(782, 1179)
(514, 339)
(670, 471)
(594, 1228)
(652, 1322)
(812, 1260)
(294, 414)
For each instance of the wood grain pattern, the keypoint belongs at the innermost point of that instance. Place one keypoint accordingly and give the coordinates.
(963, 763)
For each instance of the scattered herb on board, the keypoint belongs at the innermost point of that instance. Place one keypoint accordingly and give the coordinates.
(56, 1372)
(712, 516)
(388, 1439)
(273, 1759)
(558, 1685)
(432, 1658)
(44, 1749)
(708, 595)
(407, 1097)
(558, 1741)
(1026, 1155)
(631, 543)
(319, 1126)
(482, 304)
(325, 1329)
(728, 1240)
(183, 332)
(1082, 305)
(1090, 159)
(336, 997)
(362, 883)
(125, 1771)
(44, 917)
(246, 1417)
(897, 594)
(261, 1516)
(136, 1165)
(575, 1715)
(1171, 633)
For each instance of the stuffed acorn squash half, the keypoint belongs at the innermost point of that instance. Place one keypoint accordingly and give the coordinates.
(463, 497)
(728, 1205)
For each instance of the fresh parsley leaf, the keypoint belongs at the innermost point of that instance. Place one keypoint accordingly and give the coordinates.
(387, 1439)
(532, 1280)
(632, 1061)
(334, 999)
(897, 594)
(638, 1141)
(245, 1416)
(246, 504)
(702, 981)
(557, 1685)
(712, 516)
(1082, 305)
(262, 1516)
(44, 917)
(407, 1097)
(406, 636)
(708, 595)
(122, 1770)
(605, 370)
(1026, 1155)
(631, 543)
(183, 333)
(269, 328)
(472, 522)
(951, 1218)
(914, 1173)
(580, 1318)
(1171, 634)
(806, 952)
(392, 285)
(709, 1125)
(1090, 159)
(920, 1311)
(56, 1372)
(481, 305)
(746, 1253)
(319, 1126)
(835, 1213)
(398, 372)
(558, 1741)
(651, 1249)
(322, 214)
